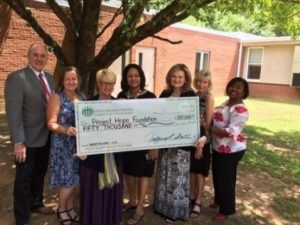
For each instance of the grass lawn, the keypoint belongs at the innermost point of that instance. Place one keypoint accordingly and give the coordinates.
(268, 187)
(273, 134)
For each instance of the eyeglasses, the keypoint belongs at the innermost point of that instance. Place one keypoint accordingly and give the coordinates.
(107, 83)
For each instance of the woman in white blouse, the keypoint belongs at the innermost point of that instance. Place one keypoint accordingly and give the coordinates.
(229, 145)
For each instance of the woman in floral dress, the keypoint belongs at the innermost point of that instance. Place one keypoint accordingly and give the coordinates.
(64, 165)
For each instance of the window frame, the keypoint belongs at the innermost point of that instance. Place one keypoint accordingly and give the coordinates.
(254, 64)
(201, 60)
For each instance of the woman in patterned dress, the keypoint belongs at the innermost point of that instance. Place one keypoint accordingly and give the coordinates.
(173, 169)
(229, 145)
(64, 165)
(138, 165)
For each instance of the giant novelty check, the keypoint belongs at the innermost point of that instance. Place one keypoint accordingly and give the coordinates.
(127, 125)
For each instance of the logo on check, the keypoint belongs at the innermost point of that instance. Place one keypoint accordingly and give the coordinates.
(87, 111)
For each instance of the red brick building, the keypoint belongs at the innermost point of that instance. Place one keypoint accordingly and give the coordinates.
(221, 52)
(218, 52)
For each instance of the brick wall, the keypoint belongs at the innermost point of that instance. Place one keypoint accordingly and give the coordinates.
(223, 55)
(18, 37)
(223, 50)
(276, 91)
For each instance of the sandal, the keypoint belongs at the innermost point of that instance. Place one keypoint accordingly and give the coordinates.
(195, 212)
(127, 207)
(61, 220)
(75, 218)
(136, 218)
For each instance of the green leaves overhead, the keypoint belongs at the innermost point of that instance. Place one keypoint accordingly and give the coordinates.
(131, 21)
(263, 17)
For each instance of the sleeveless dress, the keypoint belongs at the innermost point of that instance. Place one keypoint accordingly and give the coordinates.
(172, 190)
(135, 162)
(201, 166)
(64, 166)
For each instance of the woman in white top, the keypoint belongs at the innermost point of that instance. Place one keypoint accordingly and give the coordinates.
(229, 145)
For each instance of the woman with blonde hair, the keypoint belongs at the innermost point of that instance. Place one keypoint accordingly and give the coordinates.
(200, 167)
(101, 175)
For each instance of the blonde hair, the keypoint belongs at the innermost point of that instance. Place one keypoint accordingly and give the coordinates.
(203, 75)
(188, 78)
(111, 76)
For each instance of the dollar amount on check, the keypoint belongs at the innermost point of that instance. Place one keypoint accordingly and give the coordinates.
(130, 125)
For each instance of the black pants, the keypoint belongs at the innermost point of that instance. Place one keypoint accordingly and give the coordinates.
(224, 170)
(29, 183)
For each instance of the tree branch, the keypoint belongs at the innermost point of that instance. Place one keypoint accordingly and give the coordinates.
(133, 13)
(172, 13)
(166, 40)
(88, 31)
(20, 9)
(76, 12)
(125, 6)
(117, 13)
(64, 18)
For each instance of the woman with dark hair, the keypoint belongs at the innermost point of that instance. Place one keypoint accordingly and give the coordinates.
(229, 145)
(138, 165)
(64, 165)
(101, 175)
(173, 169)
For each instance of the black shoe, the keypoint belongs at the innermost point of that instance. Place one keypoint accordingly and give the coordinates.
(62, 221)
(75, 217)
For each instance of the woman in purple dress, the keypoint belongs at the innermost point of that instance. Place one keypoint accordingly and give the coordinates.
(101, 199)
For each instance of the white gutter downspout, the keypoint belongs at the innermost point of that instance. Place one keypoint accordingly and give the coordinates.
(239, 60)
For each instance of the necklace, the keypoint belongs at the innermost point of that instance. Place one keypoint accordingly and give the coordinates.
(131, 95)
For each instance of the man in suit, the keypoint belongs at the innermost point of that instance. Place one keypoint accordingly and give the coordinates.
(26, 94)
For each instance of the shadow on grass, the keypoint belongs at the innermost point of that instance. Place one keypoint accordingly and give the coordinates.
(289, 208)
(281, 139)
(258, 158)
(276, 153)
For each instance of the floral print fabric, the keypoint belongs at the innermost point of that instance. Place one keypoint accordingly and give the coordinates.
(232, 119)
(64, 166)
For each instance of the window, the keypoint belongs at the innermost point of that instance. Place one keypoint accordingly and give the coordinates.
(254, 63)
(202, 60)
